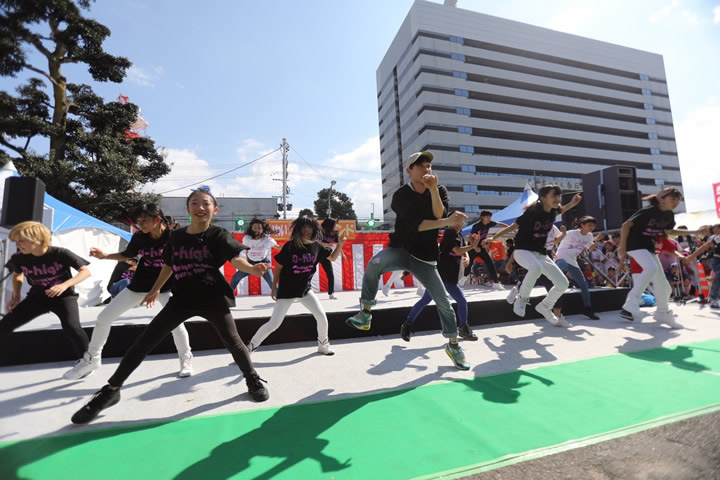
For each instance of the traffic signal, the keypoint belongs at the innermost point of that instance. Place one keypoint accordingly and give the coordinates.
(371, 223)
(239, 224)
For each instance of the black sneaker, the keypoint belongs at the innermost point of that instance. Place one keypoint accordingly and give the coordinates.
(626, 315)
(103, 398)
(591, 315)
(256, 388)
(465, 332)
(406, 330)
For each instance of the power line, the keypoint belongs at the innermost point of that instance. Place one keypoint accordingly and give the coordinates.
(220, 174)
(313, 169)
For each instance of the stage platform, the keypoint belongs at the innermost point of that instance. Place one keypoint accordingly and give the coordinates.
(42, 340)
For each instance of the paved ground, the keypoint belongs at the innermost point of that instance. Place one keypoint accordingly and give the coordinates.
(35, 401)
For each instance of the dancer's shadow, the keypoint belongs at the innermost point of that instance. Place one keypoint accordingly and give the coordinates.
(16, 455)
(61, 395)
(283, 364)
(183, 385)
(509, 352)
(573, 334)
(299, 427)
(400, 358)
(678, 356)
(504, 388)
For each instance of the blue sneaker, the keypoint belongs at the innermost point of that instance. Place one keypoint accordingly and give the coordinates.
(455, 352)
(360, 320)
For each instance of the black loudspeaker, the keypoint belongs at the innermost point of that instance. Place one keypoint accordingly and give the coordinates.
(571, 215)
(23, 200)
(611, 195)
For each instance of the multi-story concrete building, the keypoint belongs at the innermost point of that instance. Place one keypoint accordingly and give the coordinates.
(501, 103)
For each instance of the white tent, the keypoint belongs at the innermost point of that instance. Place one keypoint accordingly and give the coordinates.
(78, 232)
(695, 220)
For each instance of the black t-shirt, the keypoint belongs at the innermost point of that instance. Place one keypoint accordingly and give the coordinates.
(149, 266)
(448, 262)
(647, 223)
(534, 225)
(47, 270)
(482, 230)
(331, 237)
(196, 260)
(299, 265)
(412, 209)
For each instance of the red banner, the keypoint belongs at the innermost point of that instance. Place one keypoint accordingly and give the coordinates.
(716, 192)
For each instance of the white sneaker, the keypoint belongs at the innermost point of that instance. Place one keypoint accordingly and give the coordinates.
(463, 280)
(519, 306)
(497, 286)
(332, 297)
(386, 290)
(186, 368)
(511, 296)
(563, 323)
(324, 347)
(668, 318)
(714, 304)
(634, 310)
(83, 368)
(420, 291)
(547, 312)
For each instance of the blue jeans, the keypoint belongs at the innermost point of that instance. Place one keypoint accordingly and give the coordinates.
(240, 275)
(392, 259)
(455, 292)
(118, 286)
(715, 288)
(578, 278)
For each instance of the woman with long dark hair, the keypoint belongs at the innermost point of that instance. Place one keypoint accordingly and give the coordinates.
(260, 244)
(330, 230)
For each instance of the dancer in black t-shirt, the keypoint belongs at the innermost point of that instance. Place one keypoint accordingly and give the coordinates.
(296, 265)
(148, 243)
(713, 245)
(193, 257)
(330, 231)
(481, 229)
(530, 251)
(637, 239)
(47, 270)
(420, 207)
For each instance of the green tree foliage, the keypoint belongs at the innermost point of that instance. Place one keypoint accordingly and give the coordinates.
(342, 206)
(90, 164)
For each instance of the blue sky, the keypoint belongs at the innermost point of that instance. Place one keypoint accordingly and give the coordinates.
(221, 83)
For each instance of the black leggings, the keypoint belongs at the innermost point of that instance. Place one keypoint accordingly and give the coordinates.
(169, 318)
(66, 308)
(327, 266)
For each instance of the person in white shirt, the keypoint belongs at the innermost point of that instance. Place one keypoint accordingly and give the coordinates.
(260, 243)
(572, 245)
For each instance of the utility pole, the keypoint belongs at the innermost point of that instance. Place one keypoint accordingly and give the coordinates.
(285, 147)
(332, 182)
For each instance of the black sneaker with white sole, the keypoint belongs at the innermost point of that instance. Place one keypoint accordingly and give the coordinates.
(406, 330)
(257, 390)
(626, 315)
(465, 333)
(104, 398)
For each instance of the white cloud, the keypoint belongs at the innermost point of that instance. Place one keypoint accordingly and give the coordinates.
(663, 12)
(716, 15)
(186, 168)
(139, 77)
(696, 136)
(574, 19)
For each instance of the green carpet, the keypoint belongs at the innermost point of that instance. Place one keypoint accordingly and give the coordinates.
(400, 434)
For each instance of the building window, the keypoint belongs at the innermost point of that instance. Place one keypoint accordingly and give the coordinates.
(462, 75)
(644, 77)
(458, 56)
(472, 208)
(461, 92)
(464, 130)
(456, 39)
(468, 168)
(469, 188)
(652, 136)
(648, 106)
(467, 149)
(650, 121)
(462, 111)
(659, 181)
(657, 166)
(654, 151)
(646, 91)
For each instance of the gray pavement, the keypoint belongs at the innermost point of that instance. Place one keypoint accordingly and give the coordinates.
(35, 400)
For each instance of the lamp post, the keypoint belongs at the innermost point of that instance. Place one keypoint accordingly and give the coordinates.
(332, 182)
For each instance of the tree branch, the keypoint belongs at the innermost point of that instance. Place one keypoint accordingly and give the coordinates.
(37, 70)
(12, 147)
